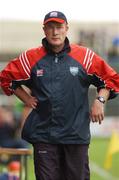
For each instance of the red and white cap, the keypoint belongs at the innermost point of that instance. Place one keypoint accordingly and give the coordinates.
(56, 16)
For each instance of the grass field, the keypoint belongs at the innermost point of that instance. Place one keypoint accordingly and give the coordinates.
(98, 149)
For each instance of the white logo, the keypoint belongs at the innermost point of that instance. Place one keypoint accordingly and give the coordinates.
(74, 70)
(53, 14)
(42, 152)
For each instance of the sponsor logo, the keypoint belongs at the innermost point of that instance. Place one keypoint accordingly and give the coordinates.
(42, 152)
(40, 72)
(74, 70)
(53, 14)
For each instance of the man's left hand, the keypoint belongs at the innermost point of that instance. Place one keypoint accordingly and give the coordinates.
(97, 111)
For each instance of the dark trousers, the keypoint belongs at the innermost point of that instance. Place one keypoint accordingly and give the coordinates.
(61, 162)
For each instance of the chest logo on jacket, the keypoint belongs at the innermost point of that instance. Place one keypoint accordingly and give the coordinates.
(74, 70)
(40, 72)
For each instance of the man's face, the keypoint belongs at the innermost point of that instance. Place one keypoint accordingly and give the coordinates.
(55, 33)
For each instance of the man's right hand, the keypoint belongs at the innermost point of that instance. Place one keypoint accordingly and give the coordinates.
(32, 102)
(26, 97)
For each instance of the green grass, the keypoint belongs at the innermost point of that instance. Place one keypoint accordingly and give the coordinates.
(31, 169)
(98, 150)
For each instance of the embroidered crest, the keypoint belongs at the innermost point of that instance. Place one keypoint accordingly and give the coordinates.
(74, 70)
(40, 72)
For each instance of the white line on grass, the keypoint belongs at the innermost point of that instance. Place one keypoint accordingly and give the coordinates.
(101, 172)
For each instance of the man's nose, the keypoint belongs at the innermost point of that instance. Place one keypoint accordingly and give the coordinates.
(55, 31)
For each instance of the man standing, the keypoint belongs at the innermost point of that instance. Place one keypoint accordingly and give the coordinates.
(59, 75)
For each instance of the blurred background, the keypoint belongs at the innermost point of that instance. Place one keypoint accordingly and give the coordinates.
(94, 24)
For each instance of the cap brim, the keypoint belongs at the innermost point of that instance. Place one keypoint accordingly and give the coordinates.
(54, 19)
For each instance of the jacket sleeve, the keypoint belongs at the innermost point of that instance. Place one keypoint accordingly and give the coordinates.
(15, 73)
(104, 75)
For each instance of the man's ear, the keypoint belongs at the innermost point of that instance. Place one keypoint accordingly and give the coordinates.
(67, 27)
(44, 29)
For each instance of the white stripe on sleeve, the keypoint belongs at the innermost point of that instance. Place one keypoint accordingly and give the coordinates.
(88, 59)
(24, 66)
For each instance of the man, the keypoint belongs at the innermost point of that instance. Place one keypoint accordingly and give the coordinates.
(59, 75)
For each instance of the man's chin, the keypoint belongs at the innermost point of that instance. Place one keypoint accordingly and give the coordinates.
(56, 44)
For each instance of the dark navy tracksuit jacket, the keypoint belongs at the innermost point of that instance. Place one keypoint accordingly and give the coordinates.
(60, 82)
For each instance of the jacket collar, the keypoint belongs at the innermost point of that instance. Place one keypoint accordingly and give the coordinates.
(47, 46)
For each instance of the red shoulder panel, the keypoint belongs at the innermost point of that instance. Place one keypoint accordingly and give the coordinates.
(83, 55)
